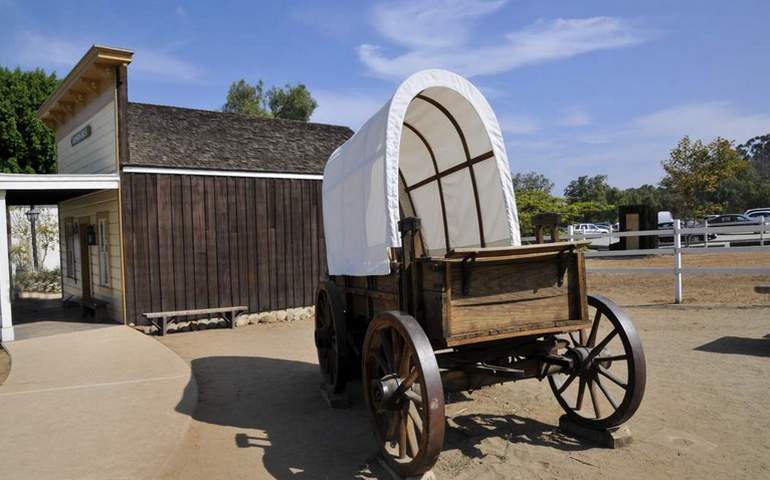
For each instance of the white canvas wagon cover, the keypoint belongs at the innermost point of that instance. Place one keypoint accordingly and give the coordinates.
(435, 151)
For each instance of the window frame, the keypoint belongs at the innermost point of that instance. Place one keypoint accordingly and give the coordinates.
(103, 247)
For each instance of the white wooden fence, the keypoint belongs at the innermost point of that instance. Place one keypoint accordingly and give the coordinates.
(677, 250)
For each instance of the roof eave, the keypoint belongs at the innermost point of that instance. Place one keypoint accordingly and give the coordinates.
(89, 70)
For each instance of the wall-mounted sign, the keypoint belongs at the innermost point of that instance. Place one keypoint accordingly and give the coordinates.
(80, 135)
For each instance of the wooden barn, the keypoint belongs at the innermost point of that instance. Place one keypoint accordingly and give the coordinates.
(165, 208)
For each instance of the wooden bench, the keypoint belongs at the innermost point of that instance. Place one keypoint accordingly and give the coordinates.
(230, 314)
(97, 308)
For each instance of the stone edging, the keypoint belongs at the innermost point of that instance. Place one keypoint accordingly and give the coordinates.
(274, 316)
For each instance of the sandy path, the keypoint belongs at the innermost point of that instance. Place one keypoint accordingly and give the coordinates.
(704, 415)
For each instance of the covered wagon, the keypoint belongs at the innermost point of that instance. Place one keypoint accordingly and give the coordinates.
(429, 289)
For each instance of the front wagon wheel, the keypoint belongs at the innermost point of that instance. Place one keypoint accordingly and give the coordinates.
(606, 386)
(331, 337)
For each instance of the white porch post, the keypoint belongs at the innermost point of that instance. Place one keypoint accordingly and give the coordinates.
(6, 332)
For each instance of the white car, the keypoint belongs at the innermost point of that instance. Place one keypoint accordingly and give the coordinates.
(590, 228)
(760, 215)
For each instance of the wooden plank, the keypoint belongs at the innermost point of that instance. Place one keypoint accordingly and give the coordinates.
(250, 234)
(152, 242)
(223, 226)
(167, 291)
(315, 274)
(307, 257)
(296, 219)
(177, 246)
(129, 256)
(210, 226)
(557, 327)
(188, 249)
(141, 280)
(289, 239)
(263, 232)
(280, 245)
(460, 253)
(243, 242)
(321, 237)
(200, 236)
(504, 295)
(200, 311)
(272, 194)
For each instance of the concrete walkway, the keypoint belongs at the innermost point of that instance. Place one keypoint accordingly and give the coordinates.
(101, 403)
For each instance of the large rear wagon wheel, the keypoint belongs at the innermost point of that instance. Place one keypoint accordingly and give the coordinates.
(331, 337)
(404, 394)
(607, 385)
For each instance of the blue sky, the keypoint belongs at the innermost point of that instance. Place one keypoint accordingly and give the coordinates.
(580, 87)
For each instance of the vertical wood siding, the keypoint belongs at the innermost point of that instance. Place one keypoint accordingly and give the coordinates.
(198, 242)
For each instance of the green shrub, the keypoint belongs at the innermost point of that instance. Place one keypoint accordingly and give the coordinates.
(46, 281)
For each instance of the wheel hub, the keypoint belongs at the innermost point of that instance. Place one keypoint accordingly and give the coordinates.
(383, 391)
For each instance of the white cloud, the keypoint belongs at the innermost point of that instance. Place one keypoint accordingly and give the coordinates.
(574, 117)
(631, 153)
(439, 35)
(349, 109)
(705, 121)
(430, 23)
(34, 49)
(517, 124)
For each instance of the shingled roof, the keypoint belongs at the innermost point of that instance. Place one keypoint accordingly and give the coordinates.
(162, 136)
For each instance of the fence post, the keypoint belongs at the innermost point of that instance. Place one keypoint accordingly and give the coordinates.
(762, 233)
(706, 235)
(677, 261)
(571, 233)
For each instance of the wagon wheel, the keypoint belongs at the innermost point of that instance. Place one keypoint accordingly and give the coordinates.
(330, 337)
(403, 391)
(607, 384)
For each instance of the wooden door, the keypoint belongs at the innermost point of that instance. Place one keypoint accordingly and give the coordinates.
(85, 260)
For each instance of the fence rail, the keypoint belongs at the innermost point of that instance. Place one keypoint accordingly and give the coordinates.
(677, 250)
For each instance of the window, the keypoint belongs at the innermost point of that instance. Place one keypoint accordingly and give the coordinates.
(69, 249)
(102, 240)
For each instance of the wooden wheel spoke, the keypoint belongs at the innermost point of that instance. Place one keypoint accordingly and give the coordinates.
(380, 359)
(572, 337)
(598, 349)
(594, 328)
(397, 347)
(402, 436)
(413, 396)
(567, 382)
(387, 350)
(612, 401)
(594, 399)
(411, 436)
(410, 379)
(620, 383)
(390, 434)
(612, 358)
(581, 394)
(415, 416)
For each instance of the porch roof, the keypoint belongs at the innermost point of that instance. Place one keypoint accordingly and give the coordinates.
(47, 189)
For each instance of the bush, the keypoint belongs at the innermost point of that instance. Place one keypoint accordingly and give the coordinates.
(45, 281)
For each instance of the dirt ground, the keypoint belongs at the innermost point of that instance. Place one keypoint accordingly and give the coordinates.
(705, 412)
(5, 365)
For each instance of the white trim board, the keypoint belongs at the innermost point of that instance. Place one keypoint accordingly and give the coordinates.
(25, 181)
(221, 173)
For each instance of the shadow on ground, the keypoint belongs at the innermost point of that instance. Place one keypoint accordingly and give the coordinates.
(758, 347)
(277, 405)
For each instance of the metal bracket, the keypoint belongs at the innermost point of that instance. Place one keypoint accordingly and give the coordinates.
(466, 268)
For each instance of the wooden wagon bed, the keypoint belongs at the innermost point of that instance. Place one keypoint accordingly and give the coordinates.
(483, 294)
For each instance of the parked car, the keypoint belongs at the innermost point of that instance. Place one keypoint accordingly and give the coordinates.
(734, 220)
(753, 210)
(687, 239)
(590, 228)
(759, 215)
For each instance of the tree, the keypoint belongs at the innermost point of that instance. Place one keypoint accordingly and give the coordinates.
(47, 233)
(26, 144)
(590, 189)
(292, 102)
(247, 99)
(532, 181)
(695, 172)
(757, 151)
